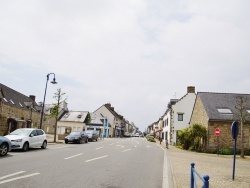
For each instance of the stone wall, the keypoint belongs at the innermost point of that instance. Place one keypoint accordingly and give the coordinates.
(225, 139)
(199, 115)
(7, 111)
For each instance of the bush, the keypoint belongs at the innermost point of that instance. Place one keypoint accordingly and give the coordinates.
(150, 139)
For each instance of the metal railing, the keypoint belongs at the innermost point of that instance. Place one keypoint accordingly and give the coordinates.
(204, 179)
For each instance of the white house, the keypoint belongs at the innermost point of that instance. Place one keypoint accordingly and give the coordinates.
(166, 126)
(181, 113)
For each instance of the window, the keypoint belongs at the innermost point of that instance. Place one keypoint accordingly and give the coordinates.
(5, 100)
(180, 117)
(79, 116)
(12, 101)
(248, 111)
(20, 104)
(224, 111)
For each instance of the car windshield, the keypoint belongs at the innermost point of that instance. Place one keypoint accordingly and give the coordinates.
(74, 133)
(21, 132)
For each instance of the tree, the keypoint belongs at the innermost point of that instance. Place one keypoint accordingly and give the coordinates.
(199, 135)
(242, 106)
(56, 107)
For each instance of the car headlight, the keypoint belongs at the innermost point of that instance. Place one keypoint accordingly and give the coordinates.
(18, 140)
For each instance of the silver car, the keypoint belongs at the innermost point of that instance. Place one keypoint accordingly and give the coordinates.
(5, 145)
(25, 138)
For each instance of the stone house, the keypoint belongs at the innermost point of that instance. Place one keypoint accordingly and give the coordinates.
(17, 110)
(217, 110)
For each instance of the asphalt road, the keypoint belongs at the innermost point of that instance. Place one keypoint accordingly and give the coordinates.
(112, 163)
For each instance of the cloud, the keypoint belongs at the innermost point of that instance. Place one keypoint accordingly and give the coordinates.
(135, 54)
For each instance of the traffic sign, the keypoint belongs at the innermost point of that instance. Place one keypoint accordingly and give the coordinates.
(217, 132)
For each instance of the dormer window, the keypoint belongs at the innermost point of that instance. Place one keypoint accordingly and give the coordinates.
(12, 101)
(5, 100)
(21, 105)
(224, 111)
(79, 116)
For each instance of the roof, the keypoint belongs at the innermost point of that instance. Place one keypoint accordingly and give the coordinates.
(14, 98)
(214, 101)
(75, 116)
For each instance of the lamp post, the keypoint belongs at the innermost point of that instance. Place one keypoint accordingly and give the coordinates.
(42, 112)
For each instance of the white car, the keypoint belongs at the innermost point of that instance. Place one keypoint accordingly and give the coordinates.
(25, 138)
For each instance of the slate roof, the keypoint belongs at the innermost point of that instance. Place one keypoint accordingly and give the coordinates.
(75, 116)
(213, 101)
(14, 98)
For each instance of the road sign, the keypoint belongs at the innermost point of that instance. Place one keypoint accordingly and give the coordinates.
(217, 132)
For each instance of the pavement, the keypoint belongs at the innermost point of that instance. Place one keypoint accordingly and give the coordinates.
(219, 168)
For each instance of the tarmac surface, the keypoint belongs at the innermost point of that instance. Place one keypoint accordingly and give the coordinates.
(219, 168)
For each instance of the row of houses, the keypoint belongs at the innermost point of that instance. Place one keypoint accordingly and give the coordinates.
(19, 111)
(210, 109)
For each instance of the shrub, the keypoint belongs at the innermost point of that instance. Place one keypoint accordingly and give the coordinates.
(150, 139)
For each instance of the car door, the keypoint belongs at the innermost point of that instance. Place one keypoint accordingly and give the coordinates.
(40, 137)
(33, 139)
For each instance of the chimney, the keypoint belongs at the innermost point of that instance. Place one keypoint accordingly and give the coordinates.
(33, 97)
(191, 89)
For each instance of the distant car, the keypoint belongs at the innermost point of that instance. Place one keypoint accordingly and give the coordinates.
(25, 138)
(137, 135)
(92, 135)
(79, 137)
(5, 146)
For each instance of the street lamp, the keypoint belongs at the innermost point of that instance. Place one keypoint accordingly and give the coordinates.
(53, 82)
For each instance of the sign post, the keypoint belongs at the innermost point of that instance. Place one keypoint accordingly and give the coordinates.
(234, 132)
(217, 134)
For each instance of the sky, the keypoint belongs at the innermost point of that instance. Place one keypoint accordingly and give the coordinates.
(134, 54)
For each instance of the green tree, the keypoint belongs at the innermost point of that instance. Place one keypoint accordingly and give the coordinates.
(58, 96)
(199, 134)
(184, 138)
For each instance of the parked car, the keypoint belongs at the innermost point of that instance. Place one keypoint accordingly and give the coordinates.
(93, 135)
(25, 138)
(5, 146)
(76, 137)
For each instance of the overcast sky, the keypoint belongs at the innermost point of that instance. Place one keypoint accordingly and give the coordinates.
(135, 54)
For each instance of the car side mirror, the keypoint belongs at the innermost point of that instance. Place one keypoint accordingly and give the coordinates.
(31, 135)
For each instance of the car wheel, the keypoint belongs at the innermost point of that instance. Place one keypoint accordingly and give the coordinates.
(4, 149)
(44, 145)
(25, 146)
(66, 142)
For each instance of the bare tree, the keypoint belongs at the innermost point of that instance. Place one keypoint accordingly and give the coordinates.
(242, 106)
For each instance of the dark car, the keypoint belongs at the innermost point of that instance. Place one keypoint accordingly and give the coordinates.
(79, 137)
(93, 135)
(5, 145)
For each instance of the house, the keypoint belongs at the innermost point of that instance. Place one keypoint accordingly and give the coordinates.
(116, 121)
(17, 110)
(73, 120)
(181, 113)
(217, 110)
(166, 131)
(99, 123)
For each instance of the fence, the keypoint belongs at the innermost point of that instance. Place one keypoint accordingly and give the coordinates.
(204, 179)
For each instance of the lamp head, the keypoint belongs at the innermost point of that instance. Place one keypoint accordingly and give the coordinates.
(54, 81)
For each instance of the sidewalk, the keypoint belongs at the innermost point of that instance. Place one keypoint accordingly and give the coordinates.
(50, 139)
(218, 168)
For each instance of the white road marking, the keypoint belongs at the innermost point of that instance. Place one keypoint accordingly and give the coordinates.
(99, 148)
(3, 177)
(74, 156)
(96, 158)
(120, 146)
(126, 150)
(17, 178)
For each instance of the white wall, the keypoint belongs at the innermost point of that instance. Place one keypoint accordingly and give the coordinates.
(185, 106)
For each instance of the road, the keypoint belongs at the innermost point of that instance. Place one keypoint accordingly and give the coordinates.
(109, 163)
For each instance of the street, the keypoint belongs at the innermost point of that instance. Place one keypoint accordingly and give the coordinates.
(113, 162)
